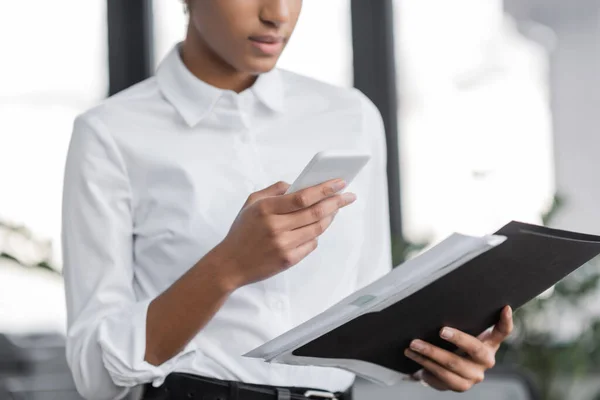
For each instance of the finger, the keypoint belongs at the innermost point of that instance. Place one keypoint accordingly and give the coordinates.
(416, 377)
(307, 233)
(448, 378)
(307, 197)
(276, 189)
(485, 335)
(450, 361)
(317, 212)
(426, 378)
(479, 351)
(502, 329)
(299, 253)
(433, 381)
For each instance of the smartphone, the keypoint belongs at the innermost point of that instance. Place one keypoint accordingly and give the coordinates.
(328, 165)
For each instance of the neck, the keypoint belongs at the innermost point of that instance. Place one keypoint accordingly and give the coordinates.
(207, 66)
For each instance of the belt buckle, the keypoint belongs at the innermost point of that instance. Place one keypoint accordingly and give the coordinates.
(316, 394)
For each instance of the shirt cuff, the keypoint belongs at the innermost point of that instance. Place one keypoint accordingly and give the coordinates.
(122, 338)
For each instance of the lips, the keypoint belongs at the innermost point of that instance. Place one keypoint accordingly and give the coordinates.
(270, 39)
(268, 44)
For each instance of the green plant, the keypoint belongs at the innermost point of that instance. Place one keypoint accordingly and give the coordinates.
(556, 360)
(18, 244)
(403, 249)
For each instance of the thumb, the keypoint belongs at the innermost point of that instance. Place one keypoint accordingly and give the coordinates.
(502, 329)
(276, 189)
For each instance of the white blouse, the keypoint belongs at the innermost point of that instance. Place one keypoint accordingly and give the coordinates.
(155, 177)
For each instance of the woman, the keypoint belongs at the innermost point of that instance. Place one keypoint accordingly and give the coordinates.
(181, 253)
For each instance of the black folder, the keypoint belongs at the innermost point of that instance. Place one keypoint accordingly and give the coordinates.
(469, 298)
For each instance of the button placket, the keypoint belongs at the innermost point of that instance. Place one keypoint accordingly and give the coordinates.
(277, 302)
(278, 305)
(243, 162)
(259, 177)
(241, 143)
(276, 295)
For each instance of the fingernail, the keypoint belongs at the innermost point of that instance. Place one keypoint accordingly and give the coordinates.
(409, 353)
(349, 197)
(509, 312)
(338, 185)
(417, 345)
(447, 333)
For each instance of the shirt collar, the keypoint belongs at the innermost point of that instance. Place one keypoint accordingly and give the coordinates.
(268, 88)
(194, 99)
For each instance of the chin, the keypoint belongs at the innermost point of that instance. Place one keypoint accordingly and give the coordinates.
(260, 65)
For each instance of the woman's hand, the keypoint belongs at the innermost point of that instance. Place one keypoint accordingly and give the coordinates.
(274, 231)
(444, 370)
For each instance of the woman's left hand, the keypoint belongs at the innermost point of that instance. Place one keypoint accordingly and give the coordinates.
(444, 370)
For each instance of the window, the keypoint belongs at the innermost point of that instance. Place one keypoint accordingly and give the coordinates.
(475, 123)
(53, 68)
(170, 24)
(321, 46)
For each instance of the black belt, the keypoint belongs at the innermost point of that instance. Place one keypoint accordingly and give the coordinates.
(185, 386)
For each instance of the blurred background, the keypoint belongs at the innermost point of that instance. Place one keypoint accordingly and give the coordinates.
(490, 112)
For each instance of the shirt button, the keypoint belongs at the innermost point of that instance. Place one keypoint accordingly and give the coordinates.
(278, 305)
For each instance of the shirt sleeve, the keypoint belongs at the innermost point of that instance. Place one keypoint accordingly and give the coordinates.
(376, 257)
(106, 335)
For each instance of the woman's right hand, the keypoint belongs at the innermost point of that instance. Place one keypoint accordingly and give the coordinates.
(275, 231)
